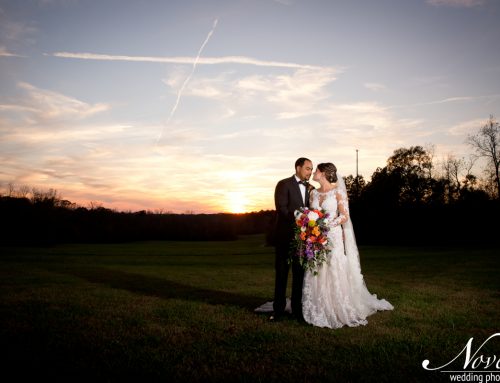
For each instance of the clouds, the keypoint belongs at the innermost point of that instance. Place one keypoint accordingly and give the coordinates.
(294, 112)
(374, 86)
(242, 60)
(14, 33)
(465, 128)
(288, 95)
(456, 3)
(45, 3)
(119, 162)
(252, 129)
(48, 108)
(291, 95)
(284, 2)
(5, 53)
(186, 81)
(49, 142)
(281, 79)
(43, 134)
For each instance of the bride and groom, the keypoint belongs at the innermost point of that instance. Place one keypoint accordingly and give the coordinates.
(337, 296)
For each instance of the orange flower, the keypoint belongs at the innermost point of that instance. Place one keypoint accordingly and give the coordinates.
(298, 223)
(316, 231)
(303, 235)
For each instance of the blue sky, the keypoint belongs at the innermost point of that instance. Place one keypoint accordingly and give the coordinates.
(204, 105)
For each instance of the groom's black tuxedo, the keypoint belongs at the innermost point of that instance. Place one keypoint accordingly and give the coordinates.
(287, 198)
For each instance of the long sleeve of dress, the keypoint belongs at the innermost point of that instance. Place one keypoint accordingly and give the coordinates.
(343, 212)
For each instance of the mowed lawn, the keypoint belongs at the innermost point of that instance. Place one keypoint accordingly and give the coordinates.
(183, 311)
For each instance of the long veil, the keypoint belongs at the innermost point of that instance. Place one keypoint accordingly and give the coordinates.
(367, 302)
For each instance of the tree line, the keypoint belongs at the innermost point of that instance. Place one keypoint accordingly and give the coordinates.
(413, 200)
(46, 219)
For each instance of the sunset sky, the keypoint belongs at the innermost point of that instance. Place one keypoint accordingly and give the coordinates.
(204, 105)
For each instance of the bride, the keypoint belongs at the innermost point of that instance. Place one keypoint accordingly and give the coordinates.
(337, 296)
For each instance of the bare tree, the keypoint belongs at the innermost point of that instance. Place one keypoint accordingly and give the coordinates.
(486, 143)
(456, 165)
(452, 168)
(489, 182)
(45, 197)
(95, 205)
(11, 189)
(470, 179)
(431, 152)
(24, 191)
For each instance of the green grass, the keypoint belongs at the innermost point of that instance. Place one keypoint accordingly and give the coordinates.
(179, 311)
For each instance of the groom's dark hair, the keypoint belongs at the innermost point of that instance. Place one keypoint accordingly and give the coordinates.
(300, 162)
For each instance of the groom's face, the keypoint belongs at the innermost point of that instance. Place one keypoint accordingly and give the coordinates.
(304, 171)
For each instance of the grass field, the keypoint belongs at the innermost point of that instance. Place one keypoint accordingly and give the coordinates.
(178, 311)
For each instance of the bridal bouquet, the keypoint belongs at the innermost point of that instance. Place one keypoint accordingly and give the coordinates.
(311, 242)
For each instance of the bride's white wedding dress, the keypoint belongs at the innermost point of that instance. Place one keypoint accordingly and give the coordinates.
(337, 296)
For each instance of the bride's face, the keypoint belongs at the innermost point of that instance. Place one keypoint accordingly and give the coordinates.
(318, 174)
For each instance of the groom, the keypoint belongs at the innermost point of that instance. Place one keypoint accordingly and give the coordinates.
(290, 194)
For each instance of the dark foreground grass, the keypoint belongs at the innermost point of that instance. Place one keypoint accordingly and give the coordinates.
(177, 311)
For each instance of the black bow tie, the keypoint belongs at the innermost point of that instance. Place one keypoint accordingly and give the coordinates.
(305, 183)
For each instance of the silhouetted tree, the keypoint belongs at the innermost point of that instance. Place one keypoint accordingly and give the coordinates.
(411, 167)
(47, 198)
(355, 186)
(486, 143)
(457, 177)
(405, 179)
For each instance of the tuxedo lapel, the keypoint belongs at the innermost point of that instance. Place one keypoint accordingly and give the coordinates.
(296, 187)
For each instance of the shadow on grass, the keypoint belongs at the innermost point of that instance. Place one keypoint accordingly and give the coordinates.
(163, 288)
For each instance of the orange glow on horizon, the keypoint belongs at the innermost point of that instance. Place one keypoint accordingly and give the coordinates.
(237, 202)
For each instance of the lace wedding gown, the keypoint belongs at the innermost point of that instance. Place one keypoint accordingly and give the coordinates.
(337, 296)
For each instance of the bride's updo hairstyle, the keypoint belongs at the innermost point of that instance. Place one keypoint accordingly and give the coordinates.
(330, 171)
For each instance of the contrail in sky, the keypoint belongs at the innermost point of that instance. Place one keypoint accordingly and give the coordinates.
(187, 60)
(181, 89)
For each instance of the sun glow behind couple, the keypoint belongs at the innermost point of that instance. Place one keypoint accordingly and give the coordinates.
(237, 202)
